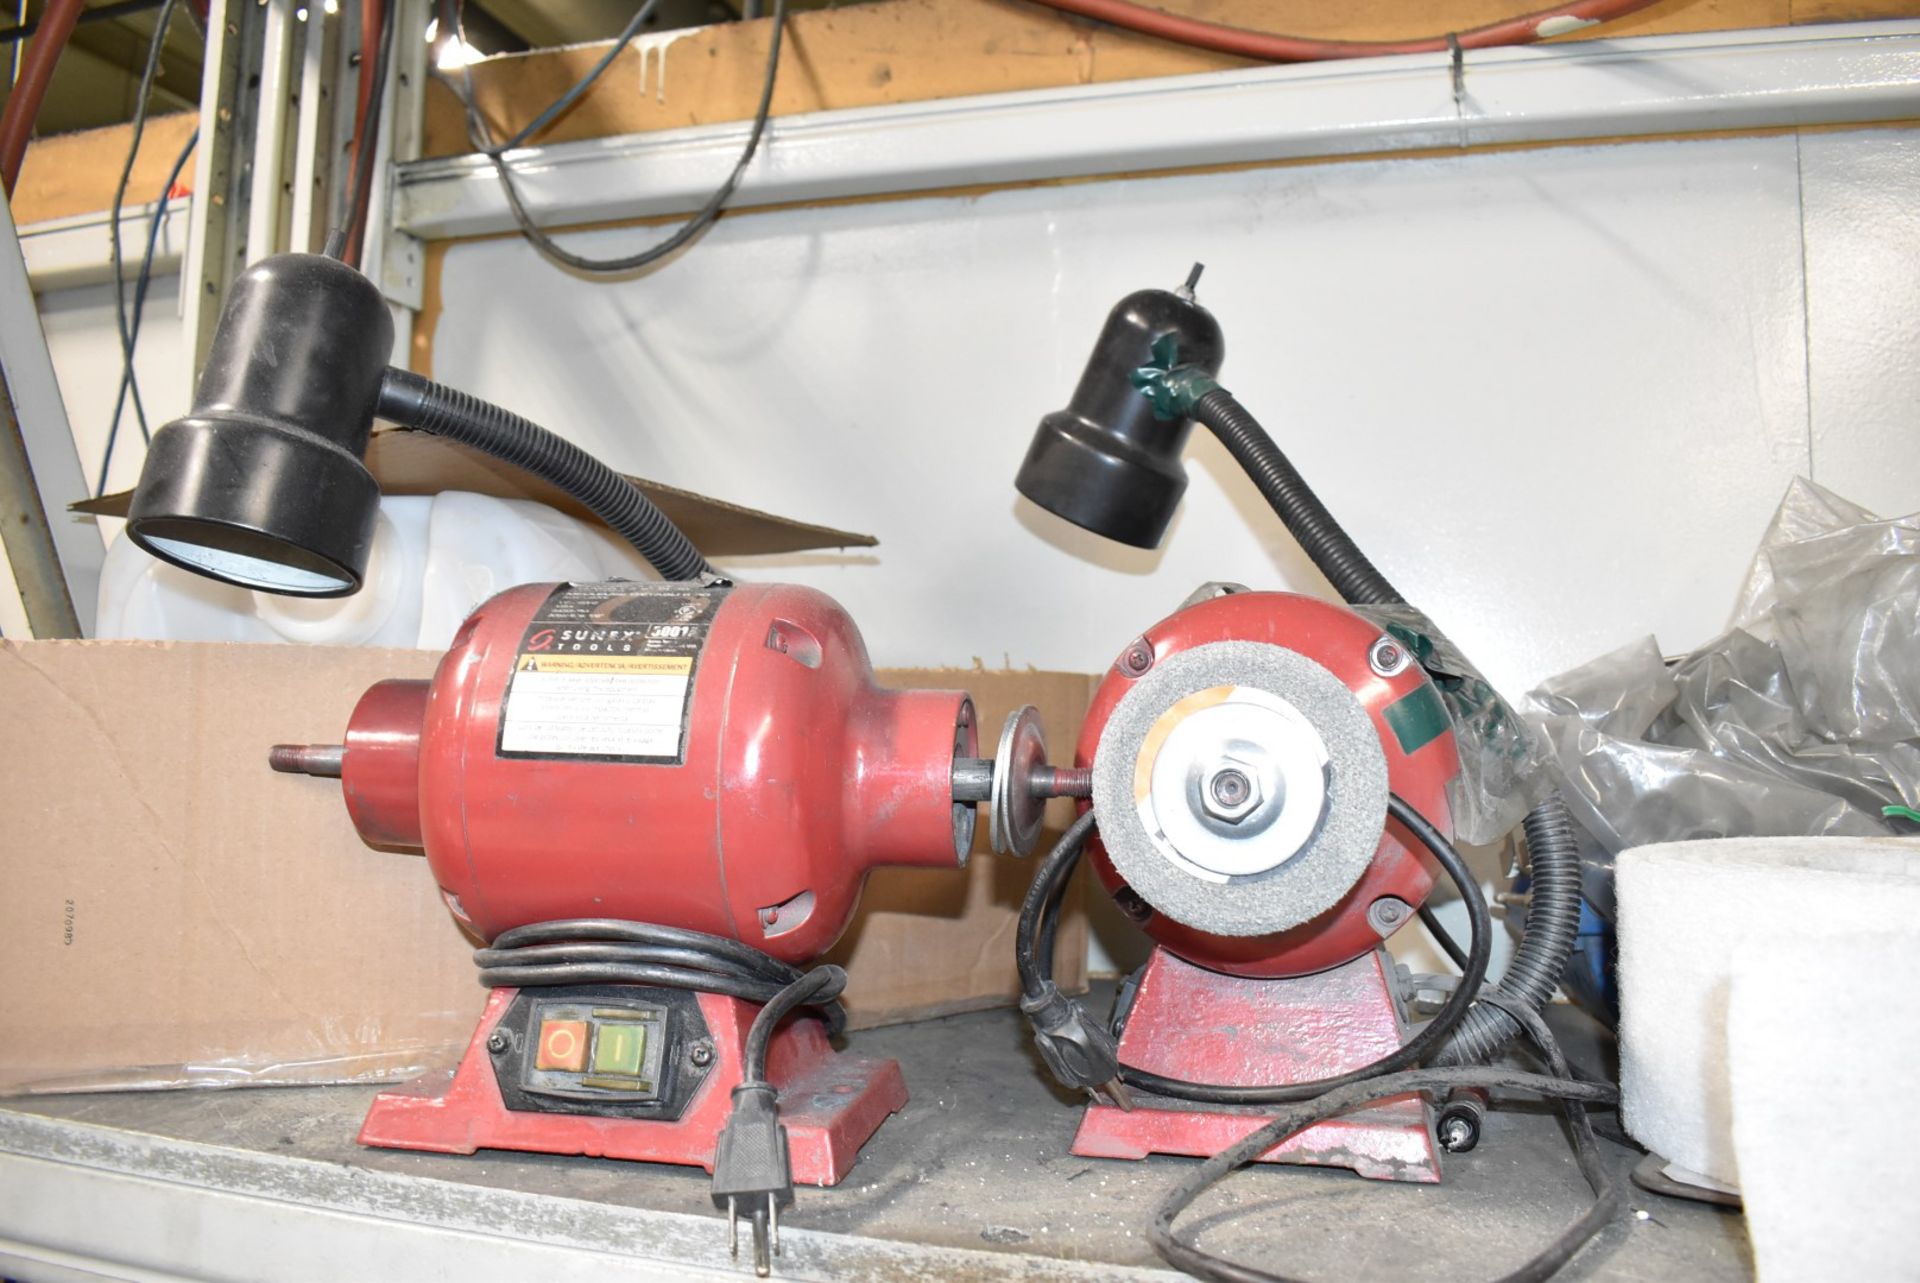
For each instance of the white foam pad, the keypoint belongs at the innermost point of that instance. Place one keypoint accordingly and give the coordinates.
(1822, 1039)
(1684, 908)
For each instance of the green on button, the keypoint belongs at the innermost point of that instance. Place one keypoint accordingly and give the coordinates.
(618, 1049)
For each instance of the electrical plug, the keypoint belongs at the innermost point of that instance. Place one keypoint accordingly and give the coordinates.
(1079, 1051)
(751, 1170)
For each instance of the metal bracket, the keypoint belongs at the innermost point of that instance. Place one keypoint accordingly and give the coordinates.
(56, 558)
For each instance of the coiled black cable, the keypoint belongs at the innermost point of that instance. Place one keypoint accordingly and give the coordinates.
(1033, 935)
(589, 951)
(1574, 1093)
(1553, 856)
(1042, 905)
(416, 402)
(1313, 1102)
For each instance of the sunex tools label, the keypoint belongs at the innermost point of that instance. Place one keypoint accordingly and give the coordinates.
(605, 672)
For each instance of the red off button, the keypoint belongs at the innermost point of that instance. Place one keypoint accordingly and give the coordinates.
(563, 1045)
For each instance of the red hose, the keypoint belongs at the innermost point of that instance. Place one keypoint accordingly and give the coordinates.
(1267, 47)
(23, 106)
(373, 14)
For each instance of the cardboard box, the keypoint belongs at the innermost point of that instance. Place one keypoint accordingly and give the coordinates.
(172, 913)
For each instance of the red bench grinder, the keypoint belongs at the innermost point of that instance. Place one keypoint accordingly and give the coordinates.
(1271, 781)
(652, 800)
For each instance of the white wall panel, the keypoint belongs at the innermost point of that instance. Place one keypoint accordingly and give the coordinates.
(1555, 393)
(1863, 314)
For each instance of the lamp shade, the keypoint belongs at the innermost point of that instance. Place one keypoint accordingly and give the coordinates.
(262, 483)
(1109, 462)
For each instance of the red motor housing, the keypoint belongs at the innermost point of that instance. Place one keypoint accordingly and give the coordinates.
(1420, 757)
(720, 759)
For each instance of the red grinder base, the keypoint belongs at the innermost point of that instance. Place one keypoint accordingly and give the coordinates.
(830, 1103)
(1202, 1026)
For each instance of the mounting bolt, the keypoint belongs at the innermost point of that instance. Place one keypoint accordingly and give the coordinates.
(1137, 910)
(701, 1055)
(1231, 791)
(1388, 657)
(1388, 914)
(1137, 658)
(497, 1042)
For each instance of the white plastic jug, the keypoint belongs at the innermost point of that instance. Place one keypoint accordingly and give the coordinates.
(434, 558)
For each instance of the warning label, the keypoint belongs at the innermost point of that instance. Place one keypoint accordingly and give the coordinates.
(606, 672)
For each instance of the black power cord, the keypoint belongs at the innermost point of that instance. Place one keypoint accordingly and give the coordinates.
(141, 283)
(1042, 1000)
(140, 102)
(704, 217)
(589, 951)
(1298, 1117)
(1086, 1056)
(1441, 936)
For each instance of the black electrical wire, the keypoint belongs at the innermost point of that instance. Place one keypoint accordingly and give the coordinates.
(144, 93)
(561, 105)
(1431, 1036)
(1033, 962)
(141, 283)
(1035, 970)
(1607, 1194)
(1442, 937)
(815, 988)
(1204, 1265)
(1314, 1102)
(703, 218)
(588, 951)
(345, 240)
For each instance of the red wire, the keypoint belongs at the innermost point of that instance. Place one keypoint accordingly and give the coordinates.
(1267, 47)
(372, 20)
(23, 105)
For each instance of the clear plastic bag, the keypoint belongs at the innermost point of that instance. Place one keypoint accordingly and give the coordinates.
(1803, 719)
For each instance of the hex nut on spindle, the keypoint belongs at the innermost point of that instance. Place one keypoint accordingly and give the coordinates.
(1232, 791)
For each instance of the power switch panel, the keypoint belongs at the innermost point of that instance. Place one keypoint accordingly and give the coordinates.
(621, 1050)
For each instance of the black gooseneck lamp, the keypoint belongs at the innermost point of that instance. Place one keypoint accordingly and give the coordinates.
(1110, 461)
(263, 484)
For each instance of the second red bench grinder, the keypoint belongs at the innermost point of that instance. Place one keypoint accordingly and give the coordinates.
(1273, 795)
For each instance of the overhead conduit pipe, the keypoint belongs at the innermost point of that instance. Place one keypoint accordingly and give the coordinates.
(1265, 46)
(23, 105)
